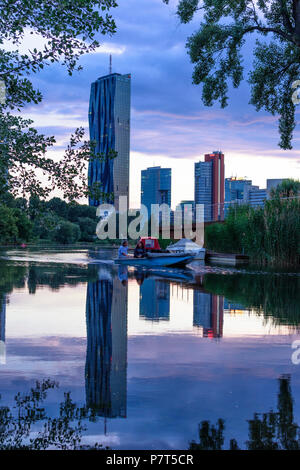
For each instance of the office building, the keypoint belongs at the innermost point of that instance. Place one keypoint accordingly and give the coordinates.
(156, 186)
(109, 122)
(203, 188)
(235, 191)
(256, 197)
(209, 185)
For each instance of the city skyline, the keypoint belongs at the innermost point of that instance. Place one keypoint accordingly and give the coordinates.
(170, 125)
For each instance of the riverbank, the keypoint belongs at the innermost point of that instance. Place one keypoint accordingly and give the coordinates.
(269, 235)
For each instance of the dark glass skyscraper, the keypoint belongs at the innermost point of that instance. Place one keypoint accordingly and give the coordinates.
(203, 188)
(156, 186)
(109, 121)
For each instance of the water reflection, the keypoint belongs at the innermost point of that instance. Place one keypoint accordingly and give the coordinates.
(273, 430)
(2, 329)
(209, 313)
(163, 323)
(62, 430)
(274, 296)
(155, 300)
(106, 357)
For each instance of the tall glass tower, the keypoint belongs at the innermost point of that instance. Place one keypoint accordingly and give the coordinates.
(156, 186)
(109, 122)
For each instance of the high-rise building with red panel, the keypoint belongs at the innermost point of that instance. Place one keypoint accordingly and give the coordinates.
(218, 183)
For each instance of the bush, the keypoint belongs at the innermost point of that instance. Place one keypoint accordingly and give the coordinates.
(58, 206)
(77, 211)
(67, 232)
(24, 226)
(87, 229)
(15, 226)
(46, 225)
(8, 225)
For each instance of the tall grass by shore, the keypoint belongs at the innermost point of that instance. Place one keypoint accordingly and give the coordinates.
(269, 234)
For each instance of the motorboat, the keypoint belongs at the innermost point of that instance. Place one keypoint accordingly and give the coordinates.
(186, 246)
(157, 259)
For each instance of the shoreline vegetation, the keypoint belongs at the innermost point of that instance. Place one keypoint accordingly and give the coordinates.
(269, 235)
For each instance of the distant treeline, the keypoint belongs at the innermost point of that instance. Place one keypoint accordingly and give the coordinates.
(54, 220)
(268, 234)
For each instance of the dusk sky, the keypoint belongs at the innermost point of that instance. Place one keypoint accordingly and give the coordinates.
(170, 126)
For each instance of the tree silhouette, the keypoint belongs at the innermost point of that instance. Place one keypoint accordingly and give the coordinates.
(274, 430)
(19, 424)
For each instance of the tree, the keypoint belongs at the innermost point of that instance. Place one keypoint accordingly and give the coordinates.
(67, 232)
(216, 51)
(87, 229)
(288, 188)
(46, 225)
(8, 226)
(58, 206)
(68, 29)
(24, 225)
(77, 211)
(14, 225)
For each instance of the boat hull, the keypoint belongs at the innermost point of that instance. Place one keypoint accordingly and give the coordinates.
(156, 261)
(198, 255)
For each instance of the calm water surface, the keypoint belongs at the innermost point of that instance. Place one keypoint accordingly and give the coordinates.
(147, 358)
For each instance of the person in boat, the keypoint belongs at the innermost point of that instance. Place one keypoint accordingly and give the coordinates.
(123, 250)
(139, 251)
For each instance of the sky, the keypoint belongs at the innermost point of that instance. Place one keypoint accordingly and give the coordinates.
(170, 126)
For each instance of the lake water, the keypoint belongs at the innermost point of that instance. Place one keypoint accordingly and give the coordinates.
(147, 358)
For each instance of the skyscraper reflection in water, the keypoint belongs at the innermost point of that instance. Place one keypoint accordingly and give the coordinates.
(2, 330)
(155, 300)
(106, 358)
(209, 313)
